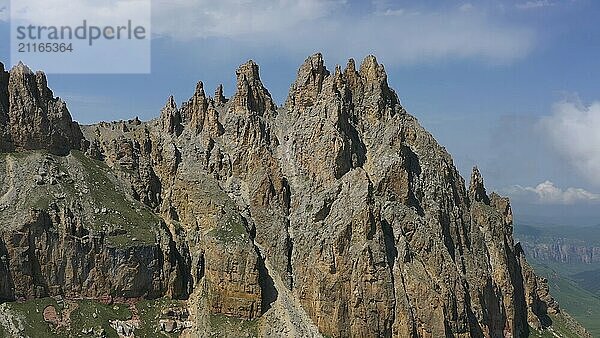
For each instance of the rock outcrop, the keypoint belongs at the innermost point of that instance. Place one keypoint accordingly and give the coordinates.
(170, 117)
(69, 228)
(31, 117)
(4, 105)
(251, 95)
(336, 213)
(220, 99)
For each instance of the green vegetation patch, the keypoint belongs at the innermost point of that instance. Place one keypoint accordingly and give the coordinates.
(94, 315)
(112, 207)
(224, 326)
(150, 312)
(33, 319)
(89, 317)
(230, 228)
(583, 305)
(561, 327)
(589, 280)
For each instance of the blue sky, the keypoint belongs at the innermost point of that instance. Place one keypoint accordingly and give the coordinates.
(509, 86)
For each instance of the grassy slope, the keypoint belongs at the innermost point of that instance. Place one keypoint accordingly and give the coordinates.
(576, 286)
(150, 312)
(560, 328)
(90, 183)
(133, 216)
(91, 314)
(589, 280)
(223, 326)
(583, 305)
(81, 317)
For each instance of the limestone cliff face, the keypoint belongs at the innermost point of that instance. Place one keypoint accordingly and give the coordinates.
(68, 228)
(31, 117)
(335, 214)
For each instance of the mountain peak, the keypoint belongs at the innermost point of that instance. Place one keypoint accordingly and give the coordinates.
(251, 95)
(371, 69)
(21, 68)
(309, 81)
(477, 191)
(350, 66)
(35, 119)
(199, 89)
(171, 103)
(340, 209)
(219, 97)
(248, 71)
(170, 117)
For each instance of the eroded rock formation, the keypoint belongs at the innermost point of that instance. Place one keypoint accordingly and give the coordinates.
(31, 117)
(336, 213)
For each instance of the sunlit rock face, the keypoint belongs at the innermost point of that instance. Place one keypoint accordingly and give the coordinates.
(335, 214)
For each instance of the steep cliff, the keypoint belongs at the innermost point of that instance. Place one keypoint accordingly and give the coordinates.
(336, 214)
(31, 117)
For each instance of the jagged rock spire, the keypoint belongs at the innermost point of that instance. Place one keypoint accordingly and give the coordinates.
(4, 132)
(200, 114)
(309, 81)
(199, 98)
(170, 117)
(366, 90)
(251, 95)
(372, 72)
(352, 77)
(35, 120)
(212, 126)
(219, 97)
(372, 90)
(477, 191)
(4, 76)
(197, 106)
(171, 104)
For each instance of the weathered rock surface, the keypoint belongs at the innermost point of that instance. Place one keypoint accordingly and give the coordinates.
(78, 234)
(4, 105)
(336, 213)
(31, 117)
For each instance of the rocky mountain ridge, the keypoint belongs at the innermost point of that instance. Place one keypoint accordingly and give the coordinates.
(336, 214)
(564, 252)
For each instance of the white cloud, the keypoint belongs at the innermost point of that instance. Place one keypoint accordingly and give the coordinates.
(333, 27)
(231, 18)
(574, 131)
(548, 193)
(70, 12)
(336, 27)
(534, 4)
